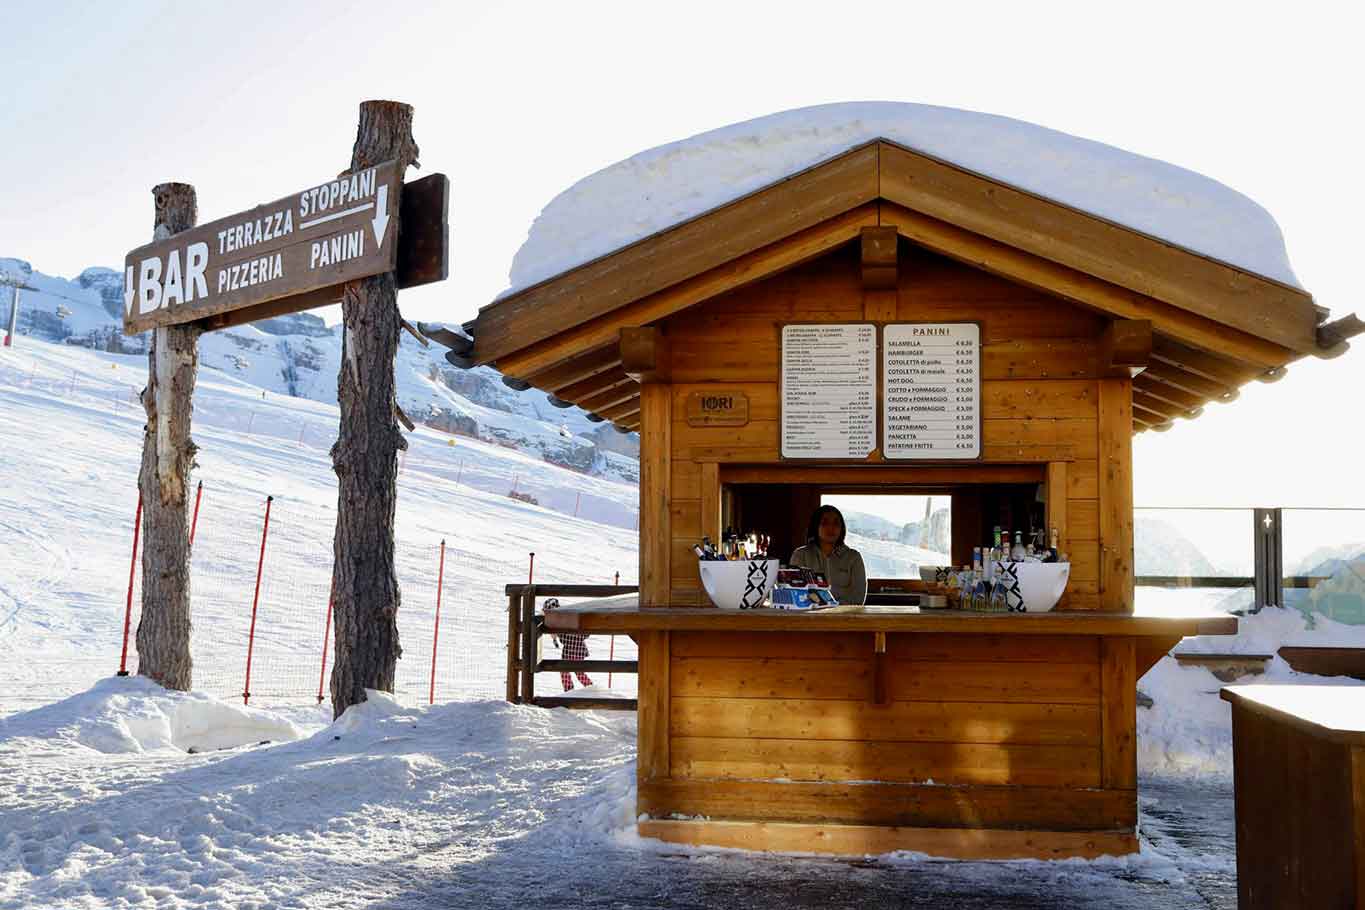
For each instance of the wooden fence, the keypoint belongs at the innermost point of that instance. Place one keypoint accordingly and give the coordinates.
(524, 629)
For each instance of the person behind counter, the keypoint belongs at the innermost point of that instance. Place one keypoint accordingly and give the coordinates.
(826, 553)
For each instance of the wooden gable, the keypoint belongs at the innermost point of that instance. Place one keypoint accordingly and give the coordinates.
(1214, 326)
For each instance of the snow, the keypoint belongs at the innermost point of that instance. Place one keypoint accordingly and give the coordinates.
(1187, 733)
(665, 186)
(114, 793)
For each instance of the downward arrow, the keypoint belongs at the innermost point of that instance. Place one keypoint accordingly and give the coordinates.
(128, 291)
(381, 216)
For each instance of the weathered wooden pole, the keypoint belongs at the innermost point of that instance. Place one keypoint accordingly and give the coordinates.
(365, 455)
(163, 633)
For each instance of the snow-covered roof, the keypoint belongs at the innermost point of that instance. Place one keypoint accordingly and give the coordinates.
(667, 185)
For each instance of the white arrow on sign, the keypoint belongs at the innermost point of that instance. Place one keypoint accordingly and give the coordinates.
(381, 216)
(128, 290)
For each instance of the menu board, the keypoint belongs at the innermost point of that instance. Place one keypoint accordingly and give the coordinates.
(829, 390)
(931, 377)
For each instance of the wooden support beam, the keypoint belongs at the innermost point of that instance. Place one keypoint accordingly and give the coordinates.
(736, 273)
(1116, 494)
(1333, 337)
(656, 479)
(879, 264)
(644, 353)
(1144, 402)
(1192, 360)
(1168, 393)
(1190, 382)
(576, 369)
(1148, 418)
(595, 385)
(1125, 347)
(599, 404)
(1079, 288)
(619, 411)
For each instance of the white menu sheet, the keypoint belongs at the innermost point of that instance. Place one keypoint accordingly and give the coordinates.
(931, 377)
(829, 390)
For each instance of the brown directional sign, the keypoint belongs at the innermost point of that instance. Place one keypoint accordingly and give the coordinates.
(292, 251)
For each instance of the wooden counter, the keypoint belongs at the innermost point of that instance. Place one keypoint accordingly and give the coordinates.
(1299, 771)
(866, 730)
(628, 618)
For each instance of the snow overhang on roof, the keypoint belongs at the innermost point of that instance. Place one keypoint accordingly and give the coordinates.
(668, 185)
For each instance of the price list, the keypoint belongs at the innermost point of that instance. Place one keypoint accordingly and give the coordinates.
(829, 391)
(931, 374)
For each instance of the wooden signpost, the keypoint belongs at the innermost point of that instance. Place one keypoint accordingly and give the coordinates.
(288, 255)
(338, 241)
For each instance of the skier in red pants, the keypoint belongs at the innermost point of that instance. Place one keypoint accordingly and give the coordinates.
(572, 646)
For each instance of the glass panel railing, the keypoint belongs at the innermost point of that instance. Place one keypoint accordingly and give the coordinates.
(1199, 559)
(1324, 562)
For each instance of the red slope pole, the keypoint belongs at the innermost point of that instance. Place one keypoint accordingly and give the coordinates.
(326, 632)
(436, 630)
(194, 522)
(132, 573)
(255, 600)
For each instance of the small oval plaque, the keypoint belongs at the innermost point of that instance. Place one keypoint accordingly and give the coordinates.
(719, 408)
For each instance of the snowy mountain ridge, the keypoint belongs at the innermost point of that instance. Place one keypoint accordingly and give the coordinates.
(299, 355)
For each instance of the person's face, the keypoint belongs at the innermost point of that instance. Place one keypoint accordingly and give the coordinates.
(830, 526)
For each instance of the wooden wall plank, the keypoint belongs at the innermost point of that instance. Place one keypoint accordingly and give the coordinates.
(1118, 668)
(1115, 441)
(1007, 648)
(1041, 683)
(652, 760)
(1027, 399)
(825, 646)
(1047, 808)
(943, 763)
(1083, 519)
(1058, 492)
(846, 680)
(656, 453)
(907, 721)
(865, 840)
(686, 478)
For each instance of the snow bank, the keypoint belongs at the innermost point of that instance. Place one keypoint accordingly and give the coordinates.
(1188, 730)
(134, 714)
(664, 186)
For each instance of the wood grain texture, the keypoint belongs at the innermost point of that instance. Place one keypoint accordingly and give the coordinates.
(1046, 808)
(1116, 495)
(1059, 234)
(862, 840)
(838, 760)
(1118, 719)
(655, 492)
(652, 757)
(677, 254)
(859, 721)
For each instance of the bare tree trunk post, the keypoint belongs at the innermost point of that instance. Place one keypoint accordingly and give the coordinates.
(163, 632)
(365, 456)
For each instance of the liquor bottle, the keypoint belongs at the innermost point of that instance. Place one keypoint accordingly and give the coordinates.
(997, 535)
(1052, 548)
(1017, 552)
(976, 559)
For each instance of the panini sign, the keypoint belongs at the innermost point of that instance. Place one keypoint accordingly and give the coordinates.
(328, 234)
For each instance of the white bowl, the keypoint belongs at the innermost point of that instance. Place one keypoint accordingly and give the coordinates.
(1038, 587)
(935, 574)
(742, 584)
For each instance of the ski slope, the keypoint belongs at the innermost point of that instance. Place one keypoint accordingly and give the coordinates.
(72, 436)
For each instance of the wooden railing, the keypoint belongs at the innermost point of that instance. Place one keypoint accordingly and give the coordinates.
(524, 629)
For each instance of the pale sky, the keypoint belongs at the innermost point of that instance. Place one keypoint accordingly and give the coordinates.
(249, 101)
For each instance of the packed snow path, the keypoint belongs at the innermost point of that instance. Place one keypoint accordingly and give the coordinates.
(469, 804)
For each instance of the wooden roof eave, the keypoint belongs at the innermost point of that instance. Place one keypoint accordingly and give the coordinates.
(928, 200)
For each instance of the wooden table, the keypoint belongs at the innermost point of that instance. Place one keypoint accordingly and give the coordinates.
(870, 729)
(1299, 771)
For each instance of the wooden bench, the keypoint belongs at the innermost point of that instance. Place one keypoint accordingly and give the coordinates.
(1320, 661)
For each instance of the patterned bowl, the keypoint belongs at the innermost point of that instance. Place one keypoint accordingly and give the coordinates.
(1036, 586)
(742, 584)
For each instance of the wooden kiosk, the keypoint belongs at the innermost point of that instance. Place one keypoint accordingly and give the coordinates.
(864, 730)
